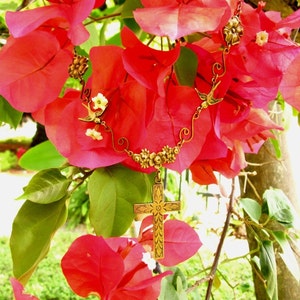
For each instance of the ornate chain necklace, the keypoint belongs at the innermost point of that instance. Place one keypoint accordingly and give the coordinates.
(232, 33)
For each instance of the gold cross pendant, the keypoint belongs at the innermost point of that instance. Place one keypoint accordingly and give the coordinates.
(158, 207)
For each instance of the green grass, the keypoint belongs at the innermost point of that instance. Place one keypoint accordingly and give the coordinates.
(8, 160)
(47, 282)
(234, 278)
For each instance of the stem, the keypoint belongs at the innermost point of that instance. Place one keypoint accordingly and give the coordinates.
(102, 18)
(81, 181)
(197, 283)
(227, 260)
(220, 245)
(254, 191)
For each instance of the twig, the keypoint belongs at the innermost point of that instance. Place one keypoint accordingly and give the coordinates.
(254, 190)
(102, 18)
(220, 245)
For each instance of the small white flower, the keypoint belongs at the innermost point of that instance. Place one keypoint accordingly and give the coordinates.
(149, 261)
(100, 102)
(94, 134)
(261, 38)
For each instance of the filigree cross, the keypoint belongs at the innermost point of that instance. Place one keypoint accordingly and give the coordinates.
(158, 207)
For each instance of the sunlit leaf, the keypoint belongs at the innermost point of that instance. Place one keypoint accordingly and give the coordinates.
(173, 287)
(8, 114)
(268, 268)
(276, 145)
(93, 39)
(278, 207)
(252, 208)
(46, 186)
(217, 282)
(42, 156)
(113, 191)
(32, 231)
(256, 261)
(288, 256)
(9, 5)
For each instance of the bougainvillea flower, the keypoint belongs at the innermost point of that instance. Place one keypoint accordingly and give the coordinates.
(181, 241)
(18, 290)
(204, 77)
(74, 12)
(265, 45)
(32, 77)
(246, 136)
(173, 113)
(88, 144)
(148, 66)
(69, 134)
(110, 268)
(290, 84)
(236, 127)
(203, 171)
(251, 131)
(70, 2)
(291, 21)
(176, 19)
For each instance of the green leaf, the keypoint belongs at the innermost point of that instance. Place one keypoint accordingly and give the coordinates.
(252, 208)
(255, 260)
(8, 5)
(42, 156)
(278, 207)
(186, 66)
(8, 114)
(288, 255)
(45, 187)
(173, 286)
(217, 282)
(129, 7)
(268, 268)
(32, 231)
(113, 191)
(127, 14)
(114, 40)
(277, 148)
(93, 39)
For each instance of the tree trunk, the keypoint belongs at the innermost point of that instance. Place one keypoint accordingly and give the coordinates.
(275, 173)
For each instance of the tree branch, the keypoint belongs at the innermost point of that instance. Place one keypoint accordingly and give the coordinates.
(220, 245)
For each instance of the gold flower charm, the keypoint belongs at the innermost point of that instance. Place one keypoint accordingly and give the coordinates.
(170, 153)
(78, 67)
(148, 159)
(233, 31)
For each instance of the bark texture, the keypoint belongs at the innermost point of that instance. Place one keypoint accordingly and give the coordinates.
(272, 173)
